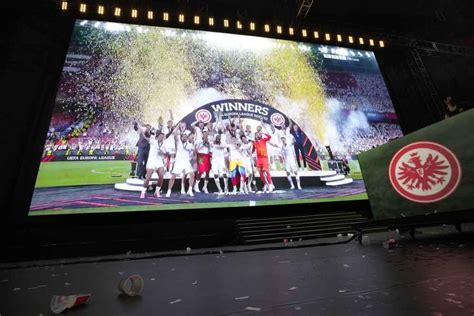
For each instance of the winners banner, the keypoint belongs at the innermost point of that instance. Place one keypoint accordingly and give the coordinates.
(425, 172)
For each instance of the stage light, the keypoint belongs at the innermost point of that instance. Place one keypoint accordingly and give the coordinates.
(181, 18)
(316, 34)
(291, 31)
(117, 11)
(239, 25)
(252, 26)
(304, 33)
(83, 7)
(339, 38)
(150, 15)
(226, 23)
(381, 44)
(211, 21)
(351, 39)
(100, 9)
(278, 29)
(197, 20)
(361, 41)
(327, 36)
(64, 5)
(166, 16)
(371, 42)
(267, 28)
(134, 13)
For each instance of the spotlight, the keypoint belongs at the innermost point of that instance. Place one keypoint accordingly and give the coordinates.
(166, 16)
(291, 31)
(327, 36)
(150, 15)
(83, 8)
(304, 33)
(316, 34)
(371, 42)
(64, 5)
(279, 29)
(267, 28)
(197, 20)
(226, 23)
(181, 18)
(381, 44)
(117, 11)
(100, 9)
(351, 39)
(361, 41)
(134, 13)
(239, 25)
(211, 21)
(252, 26)
(339, 38)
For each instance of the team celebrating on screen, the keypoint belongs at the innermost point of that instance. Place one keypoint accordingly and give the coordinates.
(220, 150)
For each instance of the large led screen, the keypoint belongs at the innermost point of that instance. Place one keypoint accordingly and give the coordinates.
(152, 118)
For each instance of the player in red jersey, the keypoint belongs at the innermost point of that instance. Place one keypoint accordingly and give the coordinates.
(260, 146)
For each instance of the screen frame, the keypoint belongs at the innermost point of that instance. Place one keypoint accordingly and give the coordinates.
(32, 156)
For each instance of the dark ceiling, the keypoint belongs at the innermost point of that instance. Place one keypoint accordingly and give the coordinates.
(450, 21)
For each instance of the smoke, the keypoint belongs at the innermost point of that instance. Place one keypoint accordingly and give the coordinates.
(331, 135)
(342, 124)
(201, 97)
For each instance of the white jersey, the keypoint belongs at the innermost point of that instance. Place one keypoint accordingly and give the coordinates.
(289, 155)
(203, 148)
(184, 151)
(218, 152)
(235, 153)
(155, 155)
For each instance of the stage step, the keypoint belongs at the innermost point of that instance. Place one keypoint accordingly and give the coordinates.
(276, 229)
(308, 178)
(340, 182)
(127, 187)
(333, 178)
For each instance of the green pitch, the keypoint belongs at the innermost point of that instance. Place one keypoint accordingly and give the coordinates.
(195, 206)
(64, 173)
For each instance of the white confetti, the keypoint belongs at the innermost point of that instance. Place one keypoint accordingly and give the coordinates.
(241, 298)
(250, 308)
(176, 301)
(37, 287)
(342, 291)
(195, 282)
(292, 288)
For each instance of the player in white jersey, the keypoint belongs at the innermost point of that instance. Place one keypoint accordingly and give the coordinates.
(218, 164)
(154, 163)
(289, 160)
(237, 167)
(169, 145)
(274, 146)
(247, 149)
(182, 163)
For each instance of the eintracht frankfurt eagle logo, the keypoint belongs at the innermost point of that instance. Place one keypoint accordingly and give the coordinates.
(424, 172)
(203, 116)
(277, 119)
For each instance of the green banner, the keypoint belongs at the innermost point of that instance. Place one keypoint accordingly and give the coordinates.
(425, 172)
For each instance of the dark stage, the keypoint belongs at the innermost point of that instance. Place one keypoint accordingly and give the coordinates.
(432, 275)
(106, 196)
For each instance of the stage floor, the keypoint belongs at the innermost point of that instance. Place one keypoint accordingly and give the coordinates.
(428, 276)
(105, 198)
